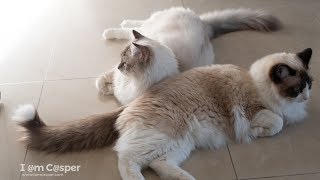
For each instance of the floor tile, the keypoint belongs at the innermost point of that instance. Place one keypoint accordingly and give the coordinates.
(97, 164)
(12, 152)
(311, 6)
(27, 39)
(65, 100)
(205, 164)
(80, 51)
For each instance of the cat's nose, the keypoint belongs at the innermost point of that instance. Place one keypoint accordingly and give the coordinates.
(305, 97)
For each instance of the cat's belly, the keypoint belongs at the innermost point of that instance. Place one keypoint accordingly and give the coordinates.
(206, 134)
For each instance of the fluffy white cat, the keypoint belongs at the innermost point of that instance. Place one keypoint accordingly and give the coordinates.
(181, 30)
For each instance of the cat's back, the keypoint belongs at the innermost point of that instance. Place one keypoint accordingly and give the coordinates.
(172, 24)
(198, 85)
(212, 78)
(184, 33)
(174, 13)
(171, 104)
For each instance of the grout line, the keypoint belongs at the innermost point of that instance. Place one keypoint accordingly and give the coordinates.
(24, 159)
(183, 4)
(234, 169)
(45, 77)
(63, 79)
(289, 175)
(25, 82)
(25, 156)
(50, 61)
(317, 19)
(67, 79)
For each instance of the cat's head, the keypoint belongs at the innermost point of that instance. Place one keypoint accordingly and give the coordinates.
(141, 55)
(288, 74)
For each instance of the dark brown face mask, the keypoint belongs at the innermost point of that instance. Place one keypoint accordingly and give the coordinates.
(291, 82)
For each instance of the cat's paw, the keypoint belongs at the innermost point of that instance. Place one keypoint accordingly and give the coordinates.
(109, 33)
(265, 131)
(104, 85)
(262, 132)
(266, 123)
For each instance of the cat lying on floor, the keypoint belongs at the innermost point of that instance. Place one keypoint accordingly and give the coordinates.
(205, 107)
(180, 31)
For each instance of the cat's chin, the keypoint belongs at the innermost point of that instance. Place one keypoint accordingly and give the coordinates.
(295, 100)
(302, 101)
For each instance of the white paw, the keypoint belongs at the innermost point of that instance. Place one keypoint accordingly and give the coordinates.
(104, 86)
(263, 131)
(109, 34)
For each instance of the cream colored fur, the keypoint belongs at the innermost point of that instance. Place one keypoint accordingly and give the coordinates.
(202, 108)
(206, 107)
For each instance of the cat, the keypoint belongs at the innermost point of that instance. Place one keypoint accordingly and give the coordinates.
(182, 31)
(205, 107)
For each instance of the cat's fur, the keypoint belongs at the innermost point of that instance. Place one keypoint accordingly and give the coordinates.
(182, 31)
(205, 107)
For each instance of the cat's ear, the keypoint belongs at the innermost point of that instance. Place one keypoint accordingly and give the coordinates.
(137, 35)
(140, 52)
(136, 51)
(305, 57)
(280, 72)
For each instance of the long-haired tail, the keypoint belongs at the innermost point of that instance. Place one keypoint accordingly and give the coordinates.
(89, 133)
(230, 20)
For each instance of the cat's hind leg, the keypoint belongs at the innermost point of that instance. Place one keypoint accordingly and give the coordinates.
(266, 123)
(119, 33)
(131, 23)
(167, 165)
(136, 148)
(129, 169)
(104, 83)
(141, 147)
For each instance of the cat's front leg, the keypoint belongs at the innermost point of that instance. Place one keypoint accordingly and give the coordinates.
(119, 33)
(131, 23)
(266, 123)
(104, 83)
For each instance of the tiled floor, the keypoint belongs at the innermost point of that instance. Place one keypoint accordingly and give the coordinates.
(52, 50)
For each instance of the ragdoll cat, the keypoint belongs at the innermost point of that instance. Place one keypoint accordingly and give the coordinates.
(205, 107)
(182, 31)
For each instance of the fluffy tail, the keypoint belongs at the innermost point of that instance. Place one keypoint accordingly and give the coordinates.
(90, 133)
(230, 20)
